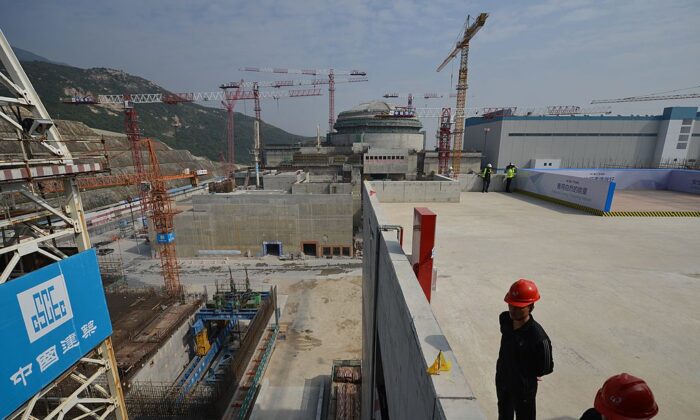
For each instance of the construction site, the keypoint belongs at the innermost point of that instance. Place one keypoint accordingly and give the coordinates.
(357, 274)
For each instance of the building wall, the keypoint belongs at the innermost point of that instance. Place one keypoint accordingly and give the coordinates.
(386, 140)
(470, 162)
(400, 334)
(243, 221)
(585, 141)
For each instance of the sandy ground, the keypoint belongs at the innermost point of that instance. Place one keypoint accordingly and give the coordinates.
(321, 314)
(618, 295)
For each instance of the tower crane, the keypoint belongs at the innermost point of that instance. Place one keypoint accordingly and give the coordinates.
(315, 72)
(463, 47)
(233, 92)
(647, 98)
(410, 96)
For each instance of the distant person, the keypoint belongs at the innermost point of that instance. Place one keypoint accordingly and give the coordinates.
(623, 397)
(510, 174)
(486, 175)
(525, 354)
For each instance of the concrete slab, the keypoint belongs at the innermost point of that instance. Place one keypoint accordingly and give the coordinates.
(654, 200)
(617, 296)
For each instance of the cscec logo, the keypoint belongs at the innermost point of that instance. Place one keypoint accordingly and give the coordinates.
(45, 307)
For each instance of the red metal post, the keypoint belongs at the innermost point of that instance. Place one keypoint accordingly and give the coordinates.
(444, 141)
(331, 100)
(424, 221)
(133, 134)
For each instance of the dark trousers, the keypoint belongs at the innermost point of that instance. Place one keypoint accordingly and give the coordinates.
(487, 182)
(510, 403)
(508, 181)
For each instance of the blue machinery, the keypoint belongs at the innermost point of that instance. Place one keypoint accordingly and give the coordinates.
(232, 311)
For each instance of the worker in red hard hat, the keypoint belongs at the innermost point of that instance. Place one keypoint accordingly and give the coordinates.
(623, 397)
(525, 354)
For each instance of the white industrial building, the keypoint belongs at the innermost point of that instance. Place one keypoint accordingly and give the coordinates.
(670, 139)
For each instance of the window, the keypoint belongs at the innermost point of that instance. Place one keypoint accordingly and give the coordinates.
(681, 146)
(685, 129)
(687, 121)
(336, 251)
(346, 251)
(683, 137)
(326, 251)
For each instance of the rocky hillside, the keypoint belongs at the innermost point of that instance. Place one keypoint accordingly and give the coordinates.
(190, 127)
(81, 139)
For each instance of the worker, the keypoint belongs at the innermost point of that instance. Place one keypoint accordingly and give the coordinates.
(525, 354)
(510, 174)
(486, 175)
(623, 397)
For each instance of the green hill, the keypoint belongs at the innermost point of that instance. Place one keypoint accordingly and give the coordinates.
(192, 127)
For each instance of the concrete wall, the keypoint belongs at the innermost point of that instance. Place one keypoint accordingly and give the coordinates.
(385, 140)
(416, 191)
(322, 188)
(429, 163)
(398, 322)
(243, 221)
(474, 183)
(281, 181)
(170, 359)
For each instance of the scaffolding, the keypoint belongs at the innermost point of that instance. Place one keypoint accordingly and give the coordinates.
(32, 222)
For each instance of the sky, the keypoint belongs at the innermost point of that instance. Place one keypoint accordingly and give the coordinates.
(529, 53)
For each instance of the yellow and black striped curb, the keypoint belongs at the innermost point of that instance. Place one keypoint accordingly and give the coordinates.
(652, 213)
(612, 213)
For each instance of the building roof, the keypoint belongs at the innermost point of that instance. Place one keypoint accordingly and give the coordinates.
(369, 115)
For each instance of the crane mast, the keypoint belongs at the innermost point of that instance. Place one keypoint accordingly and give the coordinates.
(463, 48)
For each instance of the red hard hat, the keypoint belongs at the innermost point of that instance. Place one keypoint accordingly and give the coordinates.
(522, 293)
(626, 397)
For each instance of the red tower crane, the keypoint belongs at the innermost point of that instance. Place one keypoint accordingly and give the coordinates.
(315, 72)
(233, 92)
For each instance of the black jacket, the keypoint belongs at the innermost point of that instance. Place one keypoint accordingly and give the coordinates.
(525, 354)
(591, 414)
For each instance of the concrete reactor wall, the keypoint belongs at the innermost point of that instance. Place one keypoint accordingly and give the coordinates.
(242, 222)
(400, 335)
(417, 191)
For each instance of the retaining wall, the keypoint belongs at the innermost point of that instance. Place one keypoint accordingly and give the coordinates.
(417, 191)
(400, 334)
(474, 183)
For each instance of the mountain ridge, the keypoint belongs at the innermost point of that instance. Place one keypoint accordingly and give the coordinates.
(189, 126)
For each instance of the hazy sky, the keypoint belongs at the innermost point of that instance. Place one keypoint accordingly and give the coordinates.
(529, 53)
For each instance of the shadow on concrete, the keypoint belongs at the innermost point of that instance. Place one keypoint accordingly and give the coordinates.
(550, 206)
(438, 341)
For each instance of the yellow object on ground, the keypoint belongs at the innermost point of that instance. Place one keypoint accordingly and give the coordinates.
(439, 365)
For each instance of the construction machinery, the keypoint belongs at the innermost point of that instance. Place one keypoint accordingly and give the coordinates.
(233, 91)
(648, 98)
(90, 385)
(315, 72)
(462, 46)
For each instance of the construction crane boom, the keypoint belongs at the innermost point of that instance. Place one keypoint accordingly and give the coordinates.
(647, 98)
(406, 112)
(175, 98)
(315, 72)
(292, 83)
(463, 46)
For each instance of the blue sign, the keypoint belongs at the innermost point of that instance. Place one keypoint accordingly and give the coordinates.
(51, 317)
(165, 238)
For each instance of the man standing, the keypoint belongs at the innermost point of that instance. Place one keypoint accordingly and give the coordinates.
(510, 174)
(524, 356)
(623, 397)
(486, 175)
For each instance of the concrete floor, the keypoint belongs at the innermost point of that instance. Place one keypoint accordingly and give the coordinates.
(618, 295)
(654, 200)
